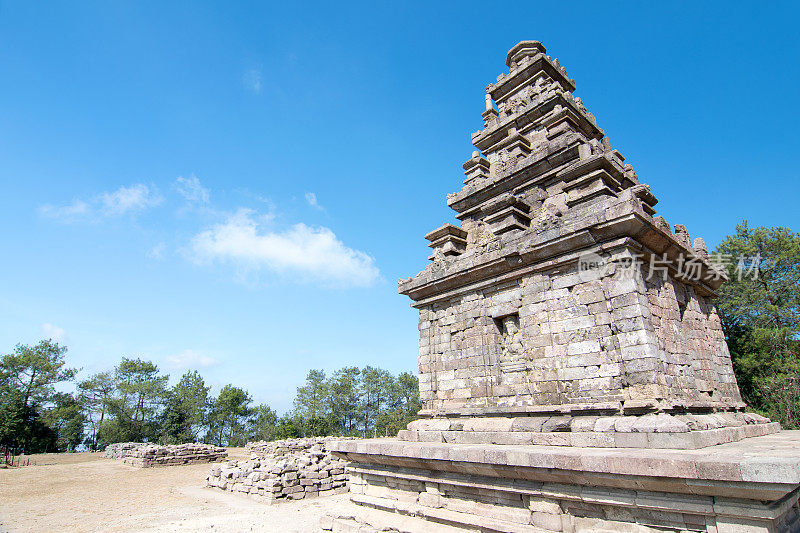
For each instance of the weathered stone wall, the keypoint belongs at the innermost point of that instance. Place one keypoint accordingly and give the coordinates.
(290, 469)
(146, 455)
(285, 447)
(118, 450)
(508, 318)
(687, 328)
(584, 338)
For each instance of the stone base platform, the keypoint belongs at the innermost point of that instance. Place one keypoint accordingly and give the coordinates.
(752, 485)
(653, 430)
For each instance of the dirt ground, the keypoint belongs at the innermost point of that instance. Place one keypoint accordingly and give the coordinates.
(84, 492)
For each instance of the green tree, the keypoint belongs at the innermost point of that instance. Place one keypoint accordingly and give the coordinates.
(95, 395)
(174, 422)
(402, 405)
(263, 423)
(230, 415)
(376, 387)
(66, 418)
(186, 412)
(311, 398)
(22, 429)
(12, 418)
(34, 370)
(759, 307)
(407, 394)
(317, 426)
(344, 400)
(28, 377)
(289, 427)
(141, 393)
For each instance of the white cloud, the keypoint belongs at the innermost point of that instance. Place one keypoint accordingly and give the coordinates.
(190, 359)
(157, 251)
(191, 189)
(311, 198)
(54, 332)
(302, 252)
(124, 200)
(69, 212)
(252, 80)
(127, 199)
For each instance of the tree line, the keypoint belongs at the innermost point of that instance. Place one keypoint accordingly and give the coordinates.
(134, 402)
(760, 311)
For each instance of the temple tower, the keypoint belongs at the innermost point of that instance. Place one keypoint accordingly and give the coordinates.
(561, 293)
(573, 370)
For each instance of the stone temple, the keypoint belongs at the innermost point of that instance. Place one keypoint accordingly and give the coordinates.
(573, 369)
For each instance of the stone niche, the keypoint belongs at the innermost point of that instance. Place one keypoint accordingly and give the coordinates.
(573, 370)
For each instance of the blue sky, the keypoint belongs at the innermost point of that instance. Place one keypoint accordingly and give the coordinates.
(236, 187)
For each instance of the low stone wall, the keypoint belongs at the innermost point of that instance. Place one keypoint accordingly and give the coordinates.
(146, 455)
(118, 450)
(290, 469)
(281, 448)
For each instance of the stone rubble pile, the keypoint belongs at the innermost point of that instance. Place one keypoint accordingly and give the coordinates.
(290, 469)
(146, 455)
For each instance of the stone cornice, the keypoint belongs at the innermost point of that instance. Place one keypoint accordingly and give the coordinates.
(527, 249)
(507, 83)
(538, 113)
(537, 168)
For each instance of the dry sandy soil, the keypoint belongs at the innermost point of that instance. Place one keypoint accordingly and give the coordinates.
(84, 492)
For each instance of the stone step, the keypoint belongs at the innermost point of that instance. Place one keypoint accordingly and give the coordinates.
(390, 510)
(352, 518)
